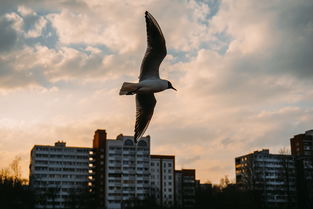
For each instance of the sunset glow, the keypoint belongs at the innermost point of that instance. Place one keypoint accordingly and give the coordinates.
(243, 70)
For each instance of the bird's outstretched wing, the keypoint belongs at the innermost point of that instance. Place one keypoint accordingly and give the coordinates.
(145, 104)
(156, 49)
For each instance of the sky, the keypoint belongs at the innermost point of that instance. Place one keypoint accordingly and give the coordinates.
(243, 70)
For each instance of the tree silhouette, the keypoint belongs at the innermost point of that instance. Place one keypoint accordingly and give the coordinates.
(14, 191)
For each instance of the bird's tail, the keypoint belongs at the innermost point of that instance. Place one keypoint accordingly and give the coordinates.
(129, 88)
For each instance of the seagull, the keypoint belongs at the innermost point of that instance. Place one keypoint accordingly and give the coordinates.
(149, 78)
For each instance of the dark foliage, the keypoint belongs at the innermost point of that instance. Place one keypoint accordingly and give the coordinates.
(81, 200)
(15, 194)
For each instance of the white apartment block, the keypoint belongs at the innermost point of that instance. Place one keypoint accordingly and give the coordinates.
(58, 171)
(162, 179)
(272, 175)
(126, 170)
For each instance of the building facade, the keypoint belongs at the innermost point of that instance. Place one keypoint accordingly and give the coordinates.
(302, 144)
(98, 163)
(57, 172)
(302, 150)
(115, 173)
(272, 176)
(185, 188)
(123, 170)
(162, 179)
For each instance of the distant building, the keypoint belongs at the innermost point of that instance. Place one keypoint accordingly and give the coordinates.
(205, 187)
(99, 163)
(203, 194)
(162, 179)
(123, 170)
(270, 175)
(185, 187)
(302, 150)
(302, 144)
(56, 172)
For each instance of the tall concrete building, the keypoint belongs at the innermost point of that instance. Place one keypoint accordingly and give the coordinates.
(185, 186)
(121, 170)
(302, 150)
(115, 172)
(162, 179)
(98, 161)
(56, 172)
(270, 175)
(302, 144)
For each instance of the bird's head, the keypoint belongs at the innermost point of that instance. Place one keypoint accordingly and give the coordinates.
(169, 86)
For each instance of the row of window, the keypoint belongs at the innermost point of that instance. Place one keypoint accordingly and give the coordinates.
(127, 195)
(42, 168)
(127, 175)
(129, 168)
(128, 153)
(128, 181)
(46, 162)
(164, 177)
(164, 170)
(62, 156)
(60, 149)
(129, 162)
(39, 176)
(164, 183)
(164, 164)
(44, 183)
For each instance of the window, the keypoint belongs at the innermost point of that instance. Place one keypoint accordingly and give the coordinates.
(128, 142)
(142, 143)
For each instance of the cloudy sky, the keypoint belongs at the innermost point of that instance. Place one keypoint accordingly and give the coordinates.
(243, 70)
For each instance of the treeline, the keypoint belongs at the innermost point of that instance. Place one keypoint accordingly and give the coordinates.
(14, 191)
(225, 195)
(16, 194)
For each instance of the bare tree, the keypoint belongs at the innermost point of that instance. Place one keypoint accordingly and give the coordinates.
(224, 182)
(16, 167)
(14, 193)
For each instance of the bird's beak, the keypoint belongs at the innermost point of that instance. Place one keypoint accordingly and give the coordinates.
(174, 88)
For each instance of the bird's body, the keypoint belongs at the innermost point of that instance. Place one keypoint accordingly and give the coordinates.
(144, 87)
(149, 79)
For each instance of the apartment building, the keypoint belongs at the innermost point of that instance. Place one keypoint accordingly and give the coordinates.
(271, 175)
(123, 171)
(115, 172)
(57, 172)
(302, 150)
(162, 179)
(302, 144)
(185, 188)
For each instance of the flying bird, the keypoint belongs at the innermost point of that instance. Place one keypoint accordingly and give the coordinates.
(149, 78)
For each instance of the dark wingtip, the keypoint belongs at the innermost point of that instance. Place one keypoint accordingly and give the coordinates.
(147, 14)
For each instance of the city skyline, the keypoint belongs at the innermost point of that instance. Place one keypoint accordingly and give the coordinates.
(243, 71)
